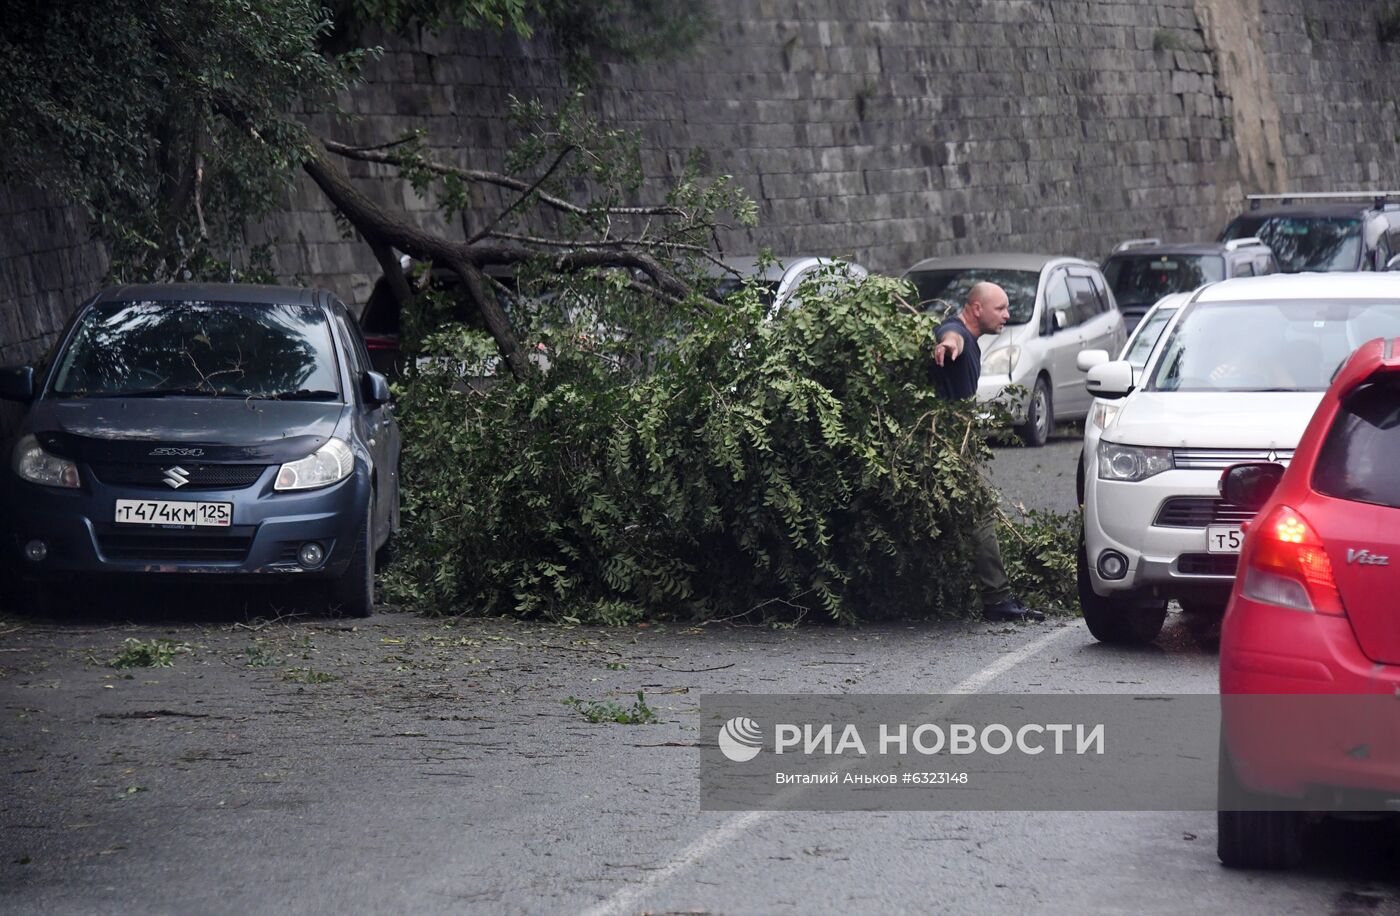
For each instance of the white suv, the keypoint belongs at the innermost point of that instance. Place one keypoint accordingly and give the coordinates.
(1235, 378)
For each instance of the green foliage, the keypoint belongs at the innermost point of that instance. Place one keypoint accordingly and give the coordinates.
(157, 653)
(175, 122)
(404, 17)
(166, 119)
(583, 32)
(1388, 22)
(1039, 555)
(695, 465)
(588, 31)
(259, 656)
(639, 713)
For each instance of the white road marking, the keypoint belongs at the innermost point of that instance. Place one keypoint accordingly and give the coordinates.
(626, 898)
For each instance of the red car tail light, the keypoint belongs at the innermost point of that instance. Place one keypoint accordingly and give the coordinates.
(1288, 566)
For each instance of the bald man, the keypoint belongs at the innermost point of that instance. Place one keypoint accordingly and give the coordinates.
(957, 367)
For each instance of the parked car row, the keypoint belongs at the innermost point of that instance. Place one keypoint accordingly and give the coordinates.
(270, 405)
(1240, 457)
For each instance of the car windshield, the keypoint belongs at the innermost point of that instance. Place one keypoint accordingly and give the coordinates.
(1140, 280)
(1146, 337)
(1268, 346)
(199, 349)
(943, 292)
(1305, 242)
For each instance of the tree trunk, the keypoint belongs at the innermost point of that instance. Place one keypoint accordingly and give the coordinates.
(393, 274)
(382, 228)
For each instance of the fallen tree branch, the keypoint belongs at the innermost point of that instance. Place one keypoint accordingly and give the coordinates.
(478, 236)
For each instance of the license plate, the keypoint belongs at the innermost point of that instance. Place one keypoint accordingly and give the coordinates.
(1223, 539)
(170, 512)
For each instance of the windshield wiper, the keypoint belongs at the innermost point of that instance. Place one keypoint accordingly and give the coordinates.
(160, 393)
(301, 394)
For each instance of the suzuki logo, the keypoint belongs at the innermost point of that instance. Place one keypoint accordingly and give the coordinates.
(176, 477)
(1366, 558)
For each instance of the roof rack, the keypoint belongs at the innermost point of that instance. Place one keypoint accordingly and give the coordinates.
(1244, 242)
(1381, 198)
(1136, 243)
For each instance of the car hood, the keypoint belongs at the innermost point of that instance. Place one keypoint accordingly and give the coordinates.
(142, 429)
(1013, 335)
(1214, 419)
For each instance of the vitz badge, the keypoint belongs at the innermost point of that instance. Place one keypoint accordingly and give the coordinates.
(1366, 558)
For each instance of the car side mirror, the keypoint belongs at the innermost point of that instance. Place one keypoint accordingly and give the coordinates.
(17, 384)
(376, 388)
(1249, 486)
(1393, 263)
(1061, 319)
(1111, 379)
(1088, 359)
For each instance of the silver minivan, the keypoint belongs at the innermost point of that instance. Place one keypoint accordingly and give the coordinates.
(1059, 306)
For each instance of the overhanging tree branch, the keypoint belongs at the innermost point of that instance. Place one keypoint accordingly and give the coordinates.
(478, 176)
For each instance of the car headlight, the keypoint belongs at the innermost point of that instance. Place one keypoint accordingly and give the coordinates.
(1103, 415)
(1001, 361)
(331, 462)
(35, 465)
(1131, 462)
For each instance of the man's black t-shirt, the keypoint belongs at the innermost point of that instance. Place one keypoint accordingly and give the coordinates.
(957, 378)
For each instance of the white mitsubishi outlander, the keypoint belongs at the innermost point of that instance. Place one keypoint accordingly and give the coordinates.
(1235, 378)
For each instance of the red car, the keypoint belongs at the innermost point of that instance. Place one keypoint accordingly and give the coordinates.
(1310, 644)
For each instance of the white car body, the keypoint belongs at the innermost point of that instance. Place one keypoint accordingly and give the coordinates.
(782, 277)
(1205, 431)
(1142, 342)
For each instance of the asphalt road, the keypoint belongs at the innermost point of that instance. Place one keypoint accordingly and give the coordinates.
(413, 765)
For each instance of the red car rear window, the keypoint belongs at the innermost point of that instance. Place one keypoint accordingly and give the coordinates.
(1358, 459)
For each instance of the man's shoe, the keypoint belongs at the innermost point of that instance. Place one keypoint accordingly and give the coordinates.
(1011, 610)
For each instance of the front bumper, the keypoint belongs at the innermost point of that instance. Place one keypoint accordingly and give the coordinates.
(1305, 712)
(993, 389)
(267, 530)
(1167, 562)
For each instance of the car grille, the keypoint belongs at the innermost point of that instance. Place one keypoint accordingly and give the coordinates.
(201, 476)
(1207, 564)
(1198, 512)
(228, 545)
(1218, 459)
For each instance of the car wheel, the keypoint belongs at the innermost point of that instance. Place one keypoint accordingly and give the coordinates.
(42, 599)
(1117, 621)
(1040, 416)
(1254, 839)
(353, 593)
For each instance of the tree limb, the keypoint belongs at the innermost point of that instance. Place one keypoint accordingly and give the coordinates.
(377, 225)
(582, 258)
(478, 236)
(495, 178)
